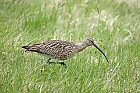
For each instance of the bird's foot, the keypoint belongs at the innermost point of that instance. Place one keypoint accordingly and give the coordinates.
(61, 63)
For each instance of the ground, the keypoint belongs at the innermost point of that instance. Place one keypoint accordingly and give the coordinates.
(113, 24)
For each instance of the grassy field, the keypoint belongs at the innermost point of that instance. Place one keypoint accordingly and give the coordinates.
(115, 26)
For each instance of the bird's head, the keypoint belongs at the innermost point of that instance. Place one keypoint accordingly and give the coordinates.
(90, 42)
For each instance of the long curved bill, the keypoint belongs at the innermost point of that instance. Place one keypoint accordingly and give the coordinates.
(100, 51)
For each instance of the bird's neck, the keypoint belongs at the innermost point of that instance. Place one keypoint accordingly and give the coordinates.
(81, 46)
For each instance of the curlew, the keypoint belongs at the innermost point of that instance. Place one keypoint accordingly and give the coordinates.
(61, 50)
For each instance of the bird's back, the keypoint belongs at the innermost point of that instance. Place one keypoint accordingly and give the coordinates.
(57, 49)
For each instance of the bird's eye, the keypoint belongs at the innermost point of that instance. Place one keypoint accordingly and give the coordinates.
(91, 41)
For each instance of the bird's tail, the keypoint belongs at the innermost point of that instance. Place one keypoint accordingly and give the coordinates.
(33, 48)
(27, 48)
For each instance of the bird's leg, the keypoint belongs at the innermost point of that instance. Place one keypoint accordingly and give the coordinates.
(48, 61)
(62, 63)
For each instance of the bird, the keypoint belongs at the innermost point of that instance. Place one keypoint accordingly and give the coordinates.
(61, 50)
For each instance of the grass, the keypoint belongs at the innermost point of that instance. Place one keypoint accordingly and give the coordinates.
(114, 26)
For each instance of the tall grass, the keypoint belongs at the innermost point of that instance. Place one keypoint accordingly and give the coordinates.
(113, 25)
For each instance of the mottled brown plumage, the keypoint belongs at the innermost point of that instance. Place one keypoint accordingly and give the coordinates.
(61, 50)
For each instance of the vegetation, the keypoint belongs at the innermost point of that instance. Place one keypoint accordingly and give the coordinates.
(115, 26)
